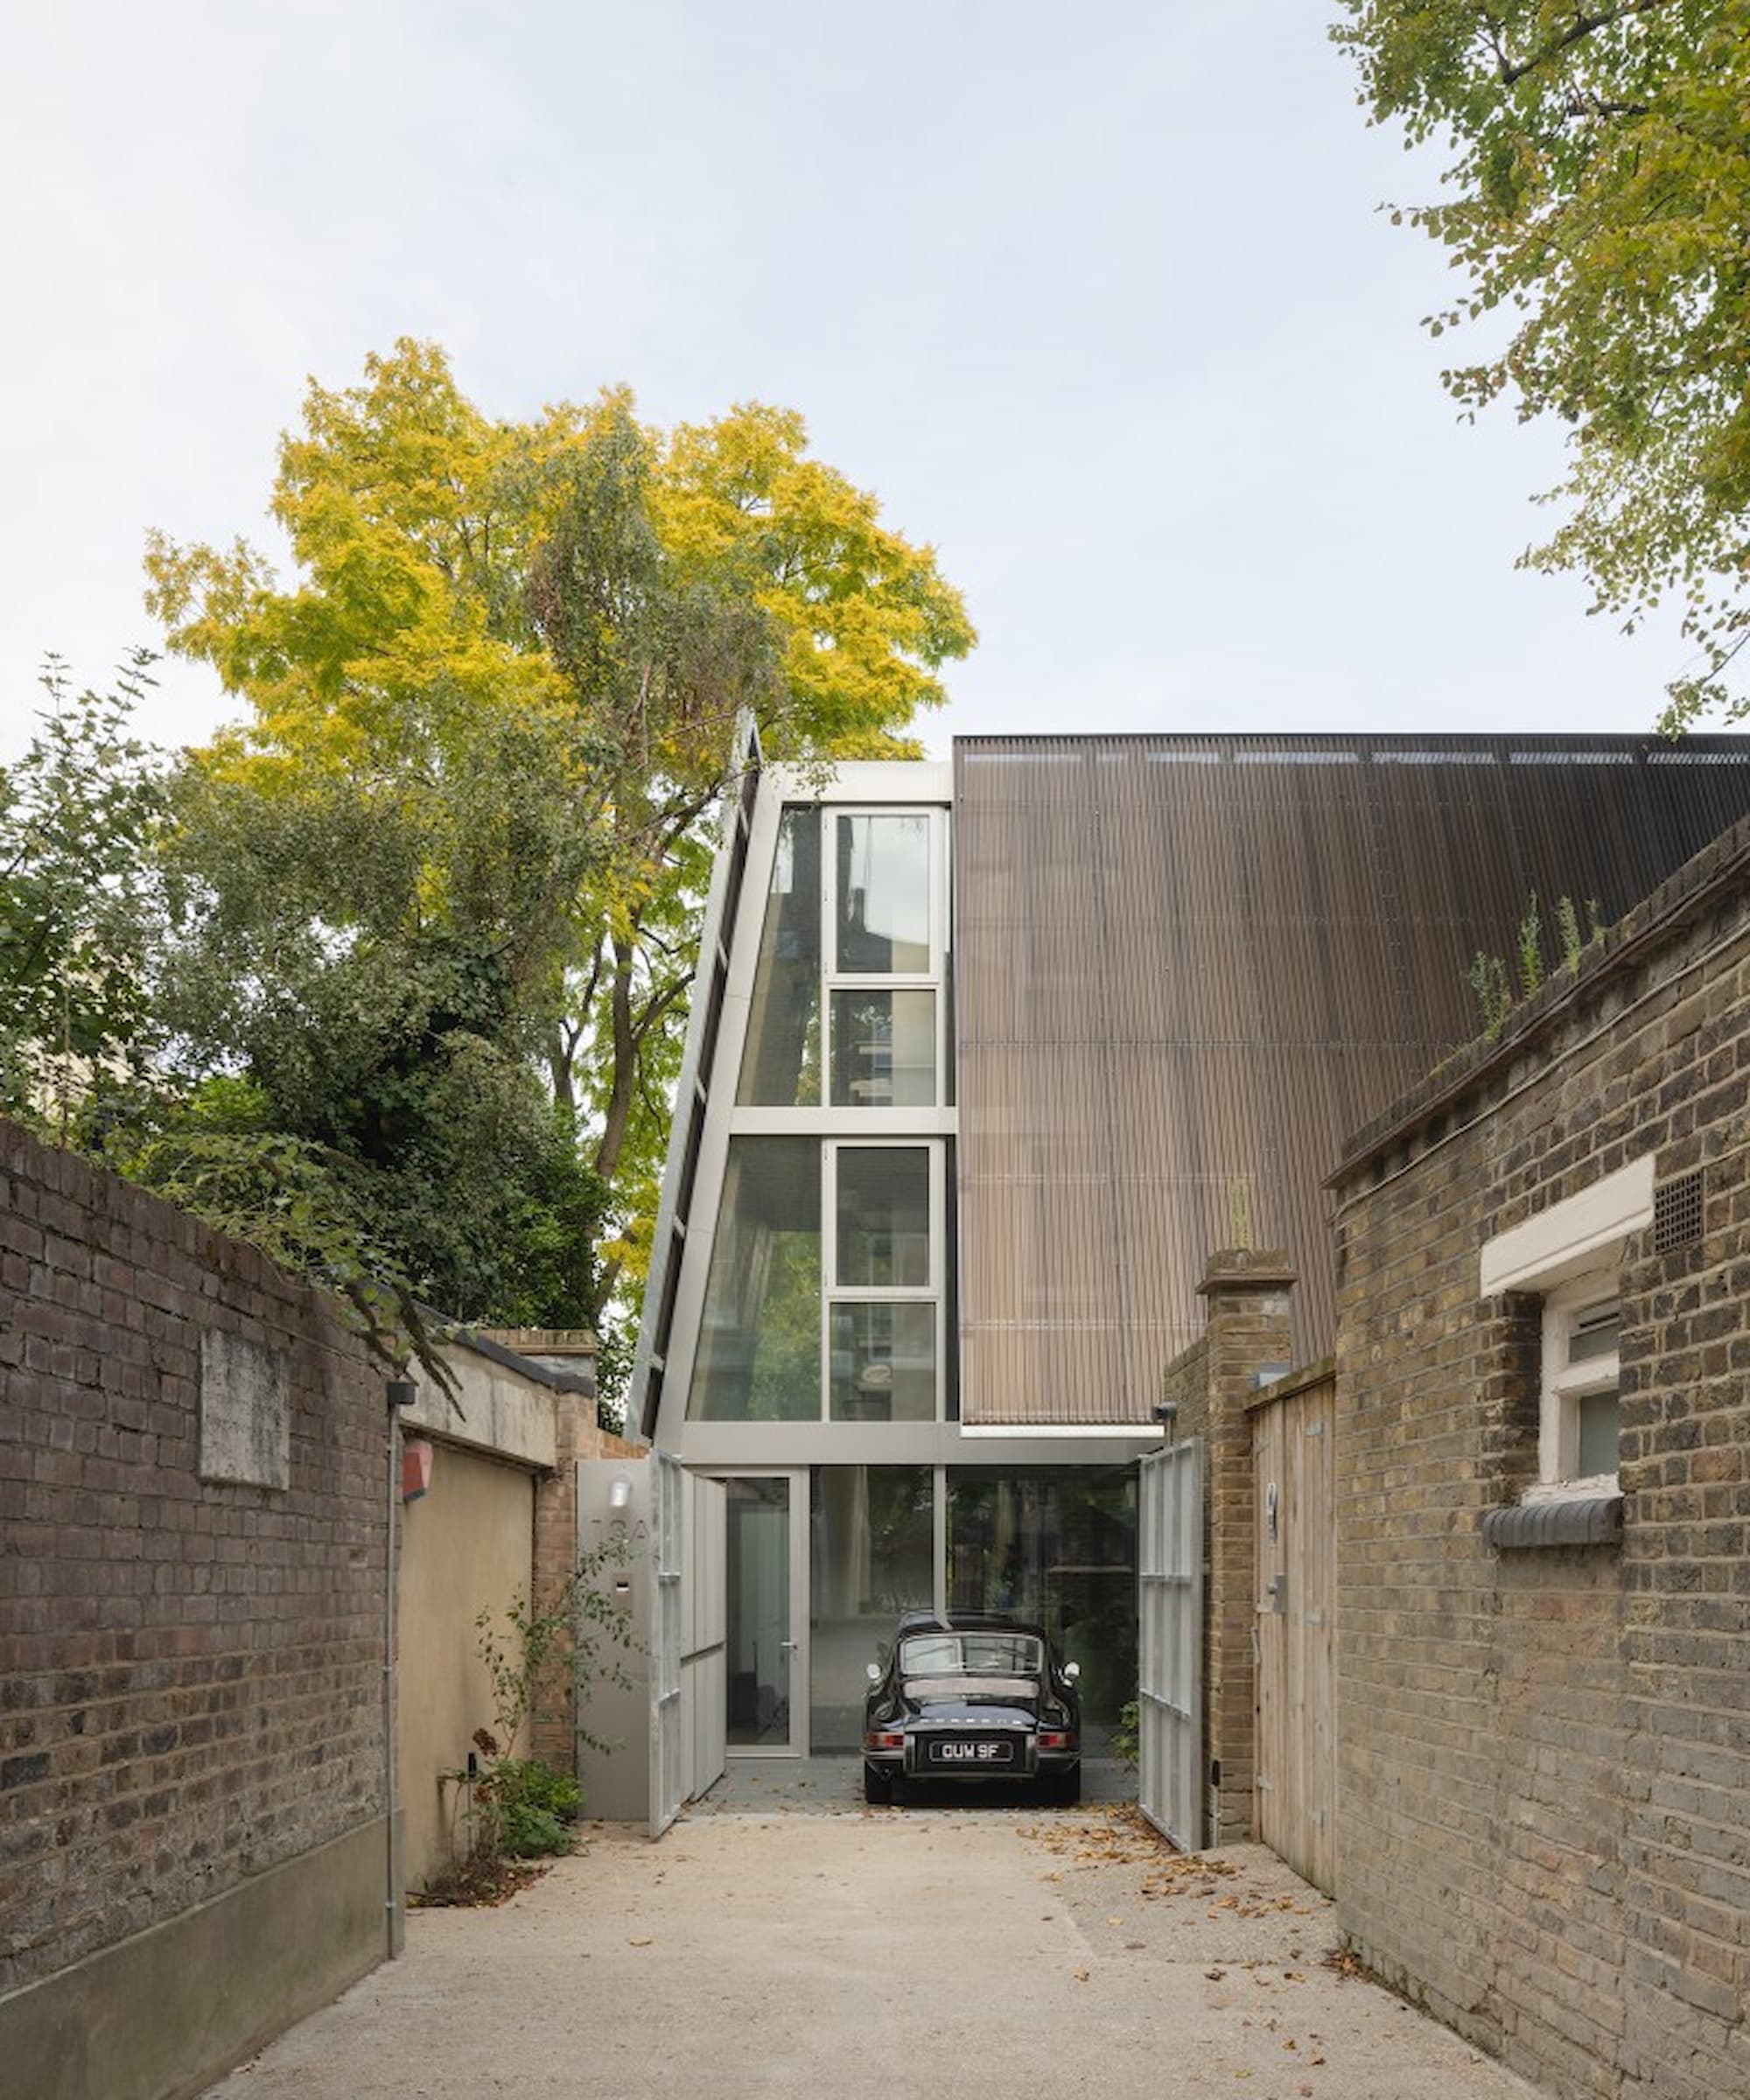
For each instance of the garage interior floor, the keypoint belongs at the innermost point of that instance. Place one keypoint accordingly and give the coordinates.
(831, 1786)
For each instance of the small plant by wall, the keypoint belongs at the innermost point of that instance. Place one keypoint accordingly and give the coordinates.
(1491, 981)
(521, 1809)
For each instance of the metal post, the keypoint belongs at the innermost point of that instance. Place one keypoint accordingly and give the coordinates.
(401, 1392)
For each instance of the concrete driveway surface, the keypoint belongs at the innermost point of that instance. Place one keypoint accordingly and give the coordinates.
(957, 1951)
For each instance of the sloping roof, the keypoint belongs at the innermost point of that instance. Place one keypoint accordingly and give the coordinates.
(1187, 967)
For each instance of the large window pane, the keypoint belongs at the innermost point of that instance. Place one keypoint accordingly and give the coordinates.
(780, 1065)
(871, 1544)
(1056, 1545)
(884, 1221)
(884, 1361)
(758, 1354)
(883, 1049)
(883, 894)
(757, 1657)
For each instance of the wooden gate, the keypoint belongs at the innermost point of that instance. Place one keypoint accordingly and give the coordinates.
(1293, 1462)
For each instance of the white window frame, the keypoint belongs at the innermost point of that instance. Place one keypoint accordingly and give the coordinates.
(1566, 1385)
(1570, 1254)
(835, 980)
(834, 1293)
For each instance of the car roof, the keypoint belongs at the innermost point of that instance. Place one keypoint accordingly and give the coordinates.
(966, 1622)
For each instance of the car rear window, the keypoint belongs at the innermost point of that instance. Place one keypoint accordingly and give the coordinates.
(970, 1654)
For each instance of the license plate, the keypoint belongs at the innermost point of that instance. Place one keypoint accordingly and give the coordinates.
(971, 1753)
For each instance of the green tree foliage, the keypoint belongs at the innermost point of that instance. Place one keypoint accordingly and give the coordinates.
(79, 816)
(1600, 194)
(462, 838)
(362, 963)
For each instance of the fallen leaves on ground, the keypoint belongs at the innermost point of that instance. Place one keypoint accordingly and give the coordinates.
(478, 1883)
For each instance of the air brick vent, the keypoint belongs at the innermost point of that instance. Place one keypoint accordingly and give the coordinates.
(1677, 1212)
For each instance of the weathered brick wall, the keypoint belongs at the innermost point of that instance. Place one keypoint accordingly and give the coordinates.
(190, 1669)
(1544, 1754)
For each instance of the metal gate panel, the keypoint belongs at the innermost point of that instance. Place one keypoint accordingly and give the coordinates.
(703, 1632)
(1169, 1634)
(668, 1748)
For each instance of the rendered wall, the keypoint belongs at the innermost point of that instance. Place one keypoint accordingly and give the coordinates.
(466, 1546)
(1544, 1752)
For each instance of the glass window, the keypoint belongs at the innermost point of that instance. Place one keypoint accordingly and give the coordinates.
(883, 894)
(970, 1654)
(884, 1361)
(884, 1217)
(1599, 1433)
(757, 1612)
(759, 1352)
(883, 1049)
(781, 1064)
(872, 1548)
(1581, 1416)
(1056, 1545)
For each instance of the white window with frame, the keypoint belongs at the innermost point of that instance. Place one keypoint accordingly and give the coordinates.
(825, 1297)
(884, 885)
(882, 1344)
(1569, 1255)
(1580, 1417)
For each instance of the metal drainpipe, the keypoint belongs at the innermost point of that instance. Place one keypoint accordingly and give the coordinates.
(401, 1393)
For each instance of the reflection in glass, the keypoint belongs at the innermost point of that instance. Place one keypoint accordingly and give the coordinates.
(757, 1651)
(759, 1353)
(780, 1065)
(1056, 1545)
(1600, 1434)
(883, 894)
(872, 1545)
(883, 1049)
(884, 1361)
(884, 1202)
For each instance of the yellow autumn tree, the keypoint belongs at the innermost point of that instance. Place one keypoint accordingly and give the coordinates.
(607, 596)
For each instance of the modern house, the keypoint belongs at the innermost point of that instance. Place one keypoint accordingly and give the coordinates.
(984, 1059)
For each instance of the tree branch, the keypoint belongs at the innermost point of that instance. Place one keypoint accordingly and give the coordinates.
(1512, 72)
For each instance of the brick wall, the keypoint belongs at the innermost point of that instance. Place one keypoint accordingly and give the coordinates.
(1544, 1754)
(178, 1655)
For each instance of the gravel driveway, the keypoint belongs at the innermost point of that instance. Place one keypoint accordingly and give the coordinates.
(939, 1951)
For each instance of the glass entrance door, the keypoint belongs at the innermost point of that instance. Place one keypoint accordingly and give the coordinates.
(766, 1619)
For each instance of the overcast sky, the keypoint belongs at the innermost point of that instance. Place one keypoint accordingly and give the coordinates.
(1097, 300)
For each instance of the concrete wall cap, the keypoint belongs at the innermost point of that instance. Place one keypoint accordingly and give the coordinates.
(1250, 1269)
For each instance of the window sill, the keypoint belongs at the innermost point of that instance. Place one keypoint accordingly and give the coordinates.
(1555, 1520)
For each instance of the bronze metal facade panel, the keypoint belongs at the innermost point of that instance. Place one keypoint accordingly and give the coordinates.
(1187, 967)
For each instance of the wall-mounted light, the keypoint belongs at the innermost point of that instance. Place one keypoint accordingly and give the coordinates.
(620, 1491)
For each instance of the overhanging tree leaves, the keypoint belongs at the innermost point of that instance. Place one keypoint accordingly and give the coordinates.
(584, 579)
(79, 814)
(1600, 199)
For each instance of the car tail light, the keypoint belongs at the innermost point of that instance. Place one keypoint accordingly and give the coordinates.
(1054, 1738)
(883, 1738)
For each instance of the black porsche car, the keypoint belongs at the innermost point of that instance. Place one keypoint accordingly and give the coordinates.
(972, 1697)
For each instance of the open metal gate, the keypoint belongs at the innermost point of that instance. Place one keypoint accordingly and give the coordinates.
(686, 1637)
(668, 1740)
(1170, 1633)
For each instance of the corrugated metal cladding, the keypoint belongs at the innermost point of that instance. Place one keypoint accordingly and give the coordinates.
(1185, 968)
